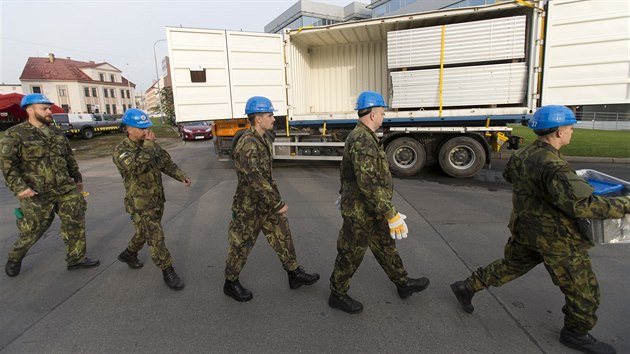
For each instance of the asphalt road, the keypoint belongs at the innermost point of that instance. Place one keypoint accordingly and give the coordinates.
(455, 226)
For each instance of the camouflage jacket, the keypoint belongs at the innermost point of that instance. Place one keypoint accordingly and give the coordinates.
(256, 191)
(548, 197)
(30, 159)
(366, 182)
(141, 165)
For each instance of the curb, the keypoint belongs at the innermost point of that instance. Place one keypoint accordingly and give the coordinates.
(613, 160)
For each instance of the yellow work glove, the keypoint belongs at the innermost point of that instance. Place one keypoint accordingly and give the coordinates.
(397, 226)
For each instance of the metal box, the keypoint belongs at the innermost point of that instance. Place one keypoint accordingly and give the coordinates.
(608, 230)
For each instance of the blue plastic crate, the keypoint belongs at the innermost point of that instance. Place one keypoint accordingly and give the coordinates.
(604, 188)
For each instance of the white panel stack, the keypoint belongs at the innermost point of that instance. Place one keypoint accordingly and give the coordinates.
(472, 46)
(479, 41)
(463, 86)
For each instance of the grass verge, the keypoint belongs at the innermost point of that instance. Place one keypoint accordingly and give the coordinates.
(103, 144)
(587, 142)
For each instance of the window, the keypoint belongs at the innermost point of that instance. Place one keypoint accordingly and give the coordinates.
(108, 109)
(36, 89)
(128, 96)
(87, 91)
(89, 108)
(122, 93)
(98, 118)
(112, 77)
(65, 107)
(124, 107)
(106, 92)
(391, 6)
(198, 75)
(94, 92)
(114, 109)
(101, 76)
(113, 93)
(62, 92)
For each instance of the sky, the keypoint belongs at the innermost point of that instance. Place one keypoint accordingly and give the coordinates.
(120, 32)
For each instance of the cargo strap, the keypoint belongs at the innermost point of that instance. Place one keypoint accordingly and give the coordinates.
(525, 3)
(441, 68)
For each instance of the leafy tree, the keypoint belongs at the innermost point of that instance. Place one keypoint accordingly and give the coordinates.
(168, 108)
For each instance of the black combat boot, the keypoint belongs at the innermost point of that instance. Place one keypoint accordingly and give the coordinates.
(585, 343)
(299, 277)
(131, 258)
(412, 286)
(235, 290)
(171, 279)
(13, 268)
(345, 303)
(86, 263)
(464, 294)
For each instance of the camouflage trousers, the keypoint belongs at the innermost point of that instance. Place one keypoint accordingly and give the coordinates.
(242, 235)
(355, 237)
(149, 230)
(39, 212)
(570, 270)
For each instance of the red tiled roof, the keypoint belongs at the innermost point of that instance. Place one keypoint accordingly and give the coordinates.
(61, 69)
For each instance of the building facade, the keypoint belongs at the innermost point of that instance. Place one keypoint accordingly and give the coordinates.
(151, 94)
(310, 13)
(79, 87)
(10, 88)
(382, 8)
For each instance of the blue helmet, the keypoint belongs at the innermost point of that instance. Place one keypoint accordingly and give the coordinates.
(34, 98)
(552, 116)
(136, 118)
(368, 99)
(258, 104)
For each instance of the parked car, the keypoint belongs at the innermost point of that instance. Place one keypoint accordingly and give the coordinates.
(86, 124)
(195, 130)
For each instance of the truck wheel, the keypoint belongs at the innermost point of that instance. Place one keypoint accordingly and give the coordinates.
(87, 133)
(123, 128)
(406, 156)
(462, 157)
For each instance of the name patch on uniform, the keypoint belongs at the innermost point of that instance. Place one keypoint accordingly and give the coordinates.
(125, 158)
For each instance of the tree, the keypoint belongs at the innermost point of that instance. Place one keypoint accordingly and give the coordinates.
(168, 108)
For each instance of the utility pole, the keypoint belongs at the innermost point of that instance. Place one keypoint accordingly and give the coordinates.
(157, 75)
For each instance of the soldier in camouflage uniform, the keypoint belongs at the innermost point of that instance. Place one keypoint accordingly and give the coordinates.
(39, 168)
(258, 206)
(548, 197)
(367, 210)
(141, 162)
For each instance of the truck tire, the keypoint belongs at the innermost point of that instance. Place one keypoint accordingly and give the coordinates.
(406, 156)
(87, 133)
(462, 157)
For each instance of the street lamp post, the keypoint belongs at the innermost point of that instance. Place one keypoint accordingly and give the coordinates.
(157, 75)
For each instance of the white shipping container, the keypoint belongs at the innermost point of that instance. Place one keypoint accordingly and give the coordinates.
(469, 42)
(327, 67)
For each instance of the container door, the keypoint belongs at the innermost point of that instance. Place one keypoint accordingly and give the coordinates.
(256, 68)
(213, 72)
(586, 53)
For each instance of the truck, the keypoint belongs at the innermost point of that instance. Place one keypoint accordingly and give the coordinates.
(86, 125)
(454, 78)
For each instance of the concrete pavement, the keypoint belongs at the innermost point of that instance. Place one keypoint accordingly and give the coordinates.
(454, 228)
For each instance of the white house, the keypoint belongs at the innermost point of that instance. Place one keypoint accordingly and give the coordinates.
(78, 86)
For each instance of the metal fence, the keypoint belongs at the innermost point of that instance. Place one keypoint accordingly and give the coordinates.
(603, 120)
